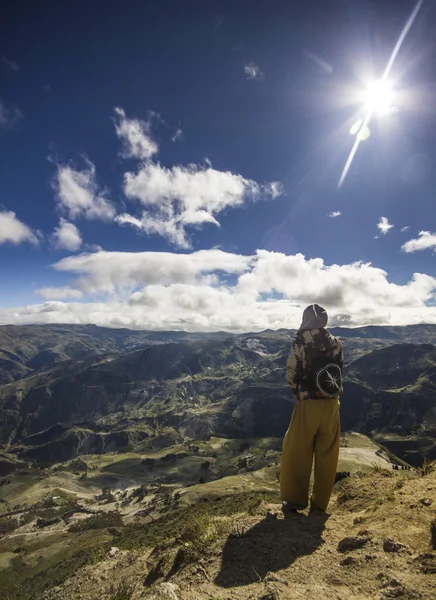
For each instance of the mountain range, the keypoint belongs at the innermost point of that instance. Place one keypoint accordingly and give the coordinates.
(68, 390)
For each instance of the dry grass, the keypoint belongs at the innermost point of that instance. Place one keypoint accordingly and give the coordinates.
(123, 591)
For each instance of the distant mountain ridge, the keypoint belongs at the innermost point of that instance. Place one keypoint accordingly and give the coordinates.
(67, 390)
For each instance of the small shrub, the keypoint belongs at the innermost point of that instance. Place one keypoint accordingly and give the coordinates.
(426, 468)
(140, 493)
(399, 483)
(99, 521)
(47, 502)
(382, 500)
(47, 522)
(198, 534)
(124, 591)
(106, 495)
(253, 504)
(238, 530)
(345, 494)
(8, 525)
(433, 534)
(97, 554)
(376, 468)
(377, 503)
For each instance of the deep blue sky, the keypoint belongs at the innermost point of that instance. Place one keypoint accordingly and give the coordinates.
(185, 60)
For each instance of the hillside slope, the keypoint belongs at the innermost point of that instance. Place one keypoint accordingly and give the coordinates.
(160, 394)
(38, 346)
(378, 542)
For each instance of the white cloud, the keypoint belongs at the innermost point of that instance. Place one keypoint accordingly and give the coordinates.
(54, 293)
(253, 71)
(79, 194)
(109, 272)
(12, 65)
(152, 290)
(13, 230)
(335, 214)
(135, 135)
(9, 115)
(187, 195)
(405, 229)
(67, 236)
(353, 287)
(178, 135)
(170, 229)
(273, 189)
(384, 225)
(182, 196)
(425, 241)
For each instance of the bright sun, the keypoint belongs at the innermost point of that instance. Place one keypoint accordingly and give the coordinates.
(378, 98)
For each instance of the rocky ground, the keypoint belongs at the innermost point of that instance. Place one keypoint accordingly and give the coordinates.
(375, 543)
(223, 539)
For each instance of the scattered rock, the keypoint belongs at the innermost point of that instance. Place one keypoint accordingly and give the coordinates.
(358, 520)
(114, 550)
(163, 591)
(426, 501)
(433, 534)
(274, 578)
(342, 475)
(393, 583)
(390, 545)
(392, 589)
(427, 562)
(349, 560)
(269, 596)
(364, 533)
(352, 543)
(425, 555)
(391, 593)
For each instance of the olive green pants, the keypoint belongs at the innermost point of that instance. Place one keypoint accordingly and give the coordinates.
(314, 430)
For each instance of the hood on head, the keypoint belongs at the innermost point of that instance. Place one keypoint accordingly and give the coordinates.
(314, 317)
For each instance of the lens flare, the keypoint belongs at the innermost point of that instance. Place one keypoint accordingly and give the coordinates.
(378, 98)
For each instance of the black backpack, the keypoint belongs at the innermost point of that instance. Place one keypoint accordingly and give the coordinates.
(323, 374)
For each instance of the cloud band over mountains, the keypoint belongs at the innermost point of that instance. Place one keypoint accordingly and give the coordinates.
(212, 290)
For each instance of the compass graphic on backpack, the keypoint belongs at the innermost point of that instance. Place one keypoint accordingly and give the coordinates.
(329, 380)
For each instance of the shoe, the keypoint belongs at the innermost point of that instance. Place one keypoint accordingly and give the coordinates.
(290, 509)
(316, 510)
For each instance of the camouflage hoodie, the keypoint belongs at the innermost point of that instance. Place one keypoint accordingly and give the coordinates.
(315, 365)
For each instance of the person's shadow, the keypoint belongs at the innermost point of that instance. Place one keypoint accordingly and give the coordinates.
(271, 545)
